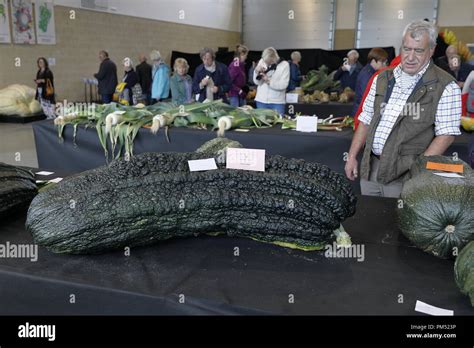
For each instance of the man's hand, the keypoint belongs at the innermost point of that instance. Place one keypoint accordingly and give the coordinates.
(351, 169)
(215, 89)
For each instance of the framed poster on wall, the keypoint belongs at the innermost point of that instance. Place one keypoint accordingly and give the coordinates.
(45, 29)
(23, 22)
(5, 36)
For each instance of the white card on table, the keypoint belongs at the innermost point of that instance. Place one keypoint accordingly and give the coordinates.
(246, 159)
(431, 310)
(44, 173)
(292, 98)
(202, 165)
(306, 124)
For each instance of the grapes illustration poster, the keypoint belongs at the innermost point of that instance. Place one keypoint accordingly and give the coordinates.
(45, 30)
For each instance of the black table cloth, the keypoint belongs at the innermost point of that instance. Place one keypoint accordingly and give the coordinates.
(204, 275)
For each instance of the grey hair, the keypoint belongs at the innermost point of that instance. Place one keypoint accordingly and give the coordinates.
(354, 52)
(207, 50)
(270, 53)
(155, 55)
(296, 55)
(130, 62)
(416, 29)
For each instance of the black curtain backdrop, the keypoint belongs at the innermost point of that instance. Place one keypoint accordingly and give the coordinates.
(311, 58)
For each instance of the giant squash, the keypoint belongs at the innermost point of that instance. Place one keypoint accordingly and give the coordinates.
(464, 271)
(17, 189)
(437, 213)
(154, 197)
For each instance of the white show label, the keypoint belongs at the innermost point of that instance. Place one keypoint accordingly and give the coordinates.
(449, 175)
(306, 124)
(246, 159)
(44, 173)
(292, 98)
(431, 310)
(56, 180)
(202, 165)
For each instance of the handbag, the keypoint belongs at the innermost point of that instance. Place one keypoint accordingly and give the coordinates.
(49, 88)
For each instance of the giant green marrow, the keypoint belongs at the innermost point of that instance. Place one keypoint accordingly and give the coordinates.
(464, 271)
(437, 213)
(154, 197)
(17, 189)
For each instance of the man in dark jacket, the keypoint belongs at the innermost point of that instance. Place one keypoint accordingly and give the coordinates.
(144, 77)
(349, 71)
(107, 77)
(211, 78)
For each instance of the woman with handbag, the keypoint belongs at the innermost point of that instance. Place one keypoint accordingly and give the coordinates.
(132, 92)
(45, 88)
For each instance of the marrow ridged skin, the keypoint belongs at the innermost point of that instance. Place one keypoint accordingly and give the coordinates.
(155, 197)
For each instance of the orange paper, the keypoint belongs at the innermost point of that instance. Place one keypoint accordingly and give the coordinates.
(453, 168)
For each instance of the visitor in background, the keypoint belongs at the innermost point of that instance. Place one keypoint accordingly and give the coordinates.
(45, 88)
(181, 83)
(442, 62)
(295, 72)
(459, 70)
(160, 85)
(144, 77)
(250, 74)
(376, 59)
(132, 94)
(468, 96)
(107, 77)
(349, 71)
(238, 91)
(272, 76)
(211, 78)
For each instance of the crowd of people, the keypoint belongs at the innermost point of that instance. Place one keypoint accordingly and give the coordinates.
(152, 80)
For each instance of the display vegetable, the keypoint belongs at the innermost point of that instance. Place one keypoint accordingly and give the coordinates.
(437, 213)
(154, 197)
(18, 100)
(17, 189)
(464, 271)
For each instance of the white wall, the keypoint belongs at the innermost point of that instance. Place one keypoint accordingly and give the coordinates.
(287, 23)
(451, 13)
(216, 14)
(456, 13)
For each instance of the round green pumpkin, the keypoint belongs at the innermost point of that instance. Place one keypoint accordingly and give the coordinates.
(437, 213)
(464, 271)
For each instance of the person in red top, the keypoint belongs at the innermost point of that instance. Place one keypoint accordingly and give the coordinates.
(395, 61)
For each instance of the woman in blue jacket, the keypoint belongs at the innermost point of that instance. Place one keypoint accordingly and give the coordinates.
(160, 74)
(211, 79)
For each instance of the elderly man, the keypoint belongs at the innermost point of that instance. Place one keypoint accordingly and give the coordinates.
(411, 110)
(349, 71)
(295, 72)
(107, 77)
